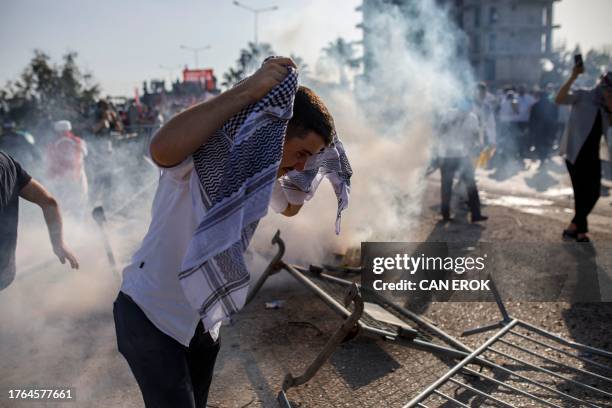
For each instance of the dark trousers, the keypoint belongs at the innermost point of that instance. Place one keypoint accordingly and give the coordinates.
(586, 181)
(449, 166)
(168, 373)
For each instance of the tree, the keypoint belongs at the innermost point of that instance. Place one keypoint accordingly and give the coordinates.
(595, 63)
(254, 55)
(341, 53)
(232, 77)
(302, 66)
(249, 61)
(49, 91)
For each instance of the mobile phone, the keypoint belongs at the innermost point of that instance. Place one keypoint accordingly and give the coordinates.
(578, 60)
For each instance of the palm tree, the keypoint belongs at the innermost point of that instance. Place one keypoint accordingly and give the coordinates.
(342, 54)
(302, 66)
(249, 61)
(232, 77)
(253, 56)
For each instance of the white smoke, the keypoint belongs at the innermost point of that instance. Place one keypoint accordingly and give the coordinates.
(387, 125)
(52, 314)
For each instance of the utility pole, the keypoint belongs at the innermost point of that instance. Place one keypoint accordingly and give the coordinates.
(255, 12)
(196, 51)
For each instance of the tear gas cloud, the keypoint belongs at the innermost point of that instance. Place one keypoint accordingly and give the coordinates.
(414, 73)
(386, 124)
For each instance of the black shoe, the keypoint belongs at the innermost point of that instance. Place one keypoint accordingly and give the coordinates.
(479, 218)
(446, 218)
(583, 239)
(569, 235)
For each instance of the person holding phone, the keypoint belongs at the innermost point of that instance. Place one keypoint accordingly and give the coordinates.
(590, 117)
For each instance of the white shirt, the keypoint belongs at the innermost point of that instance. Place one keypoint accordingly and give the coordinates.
(460, 139)
(151, 278)
(486, 120)
(506, 109)
(525, 102)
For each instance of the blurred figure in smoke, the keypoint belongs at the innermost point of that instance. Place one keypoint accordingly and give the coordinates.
(107, 119)
(543, 125)
(508, 115)
(66, 167)
(524, 102)
(18, 144)
(169, 348)
(590, 117)
(458, 138)
(484, 108)
(100, 161)
(15, 182)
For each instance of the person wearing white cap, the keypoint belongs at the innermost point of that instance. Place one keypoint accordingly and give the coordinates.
(66, 169)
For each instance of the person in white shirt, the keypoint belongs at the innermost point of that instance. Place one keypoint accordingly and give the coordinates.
(508, 130)
(484, 108)
(170, 352)
(524, 102)
(458, 137)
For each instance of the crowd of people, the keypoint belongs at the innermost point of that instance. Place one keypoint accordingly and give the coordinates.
(503, 129)
(189, 274)
(520, 123)
(76, 159)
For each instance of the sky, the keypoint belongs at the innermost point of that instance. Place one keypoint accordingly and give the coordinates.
(124, 42)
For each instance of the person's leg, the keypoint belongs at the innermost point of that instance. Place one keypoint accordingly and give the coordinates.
(577, 175)
(592, 185)
(541, 144)
(448, 166)
(201, 357)
(157, 361)
(468, 177)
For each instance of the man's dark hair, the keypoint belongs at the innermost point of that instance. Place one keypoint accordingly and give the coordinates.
(310, 114)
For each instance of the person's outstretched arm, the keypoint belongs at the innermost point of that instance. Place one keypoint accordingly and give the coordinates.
(37, 194)
(563, 96)
(190, 129)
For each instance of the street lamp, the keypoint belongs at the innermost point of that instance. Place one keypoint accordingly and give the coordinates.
(195, 51)
(255, 12)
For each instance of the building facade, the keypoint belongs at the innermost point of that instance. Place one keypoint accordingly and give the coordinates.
(505, 40)
(508, 39)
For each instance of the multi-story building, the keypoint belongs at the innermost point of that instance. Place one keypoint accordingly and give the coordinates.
(506, 39)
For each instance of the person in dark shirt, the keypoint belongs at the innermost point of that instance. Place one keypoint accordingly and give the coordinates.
(15, 182)
(20, 145)
(543, 125)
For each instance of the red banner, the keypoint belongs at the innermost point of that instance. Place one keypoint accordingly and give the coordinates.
(197, 75)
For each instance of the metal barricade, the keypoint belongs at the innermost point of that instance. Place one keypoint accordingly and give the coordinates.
(523, 365)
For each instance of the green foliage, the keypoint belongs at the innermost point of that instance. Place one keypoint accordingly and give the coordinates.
(595, 63)
(302, 66)
(342, 54)
(249, 61)
(47, 90)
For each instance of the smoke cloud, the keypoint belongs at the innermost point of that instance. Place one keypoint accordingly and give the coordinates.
(414, 71)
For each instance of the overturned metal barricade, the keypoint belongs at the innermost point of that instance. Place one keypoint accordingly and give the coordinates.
(523, 365)
(341, 334)
(501, 372)
(378, 317)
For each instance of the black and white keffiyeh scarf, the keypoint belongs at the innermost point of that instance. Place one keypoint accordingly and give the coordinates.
(237, 169)
(332, 163)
